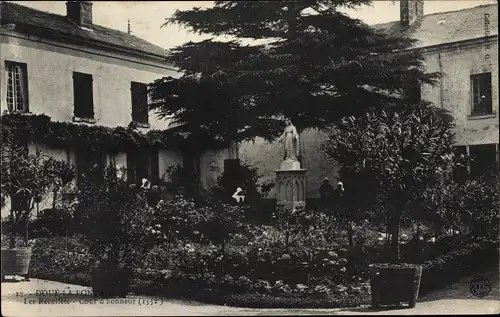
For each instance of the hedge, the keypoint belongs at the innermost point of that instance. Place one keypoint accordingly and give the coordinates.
(450, 267)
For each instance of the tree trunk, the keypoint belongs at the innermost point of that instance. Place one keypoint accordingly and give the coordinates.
(26, 237)
(54, 193)
(292, 21)
(350, 233)
(418, 251)
(287, 238)
(395, 226)
(12, 240)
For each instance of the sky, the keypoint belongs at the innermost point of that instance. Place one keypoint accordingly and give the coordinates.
(147, 17)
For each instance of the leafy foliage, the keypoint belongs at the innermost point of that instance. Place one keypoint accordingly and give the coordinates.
(26, 179)
(404, 149)
(315, 66)
(40, 128)
(180, 180)
(116, 218)
(245, 176)
(473, 204)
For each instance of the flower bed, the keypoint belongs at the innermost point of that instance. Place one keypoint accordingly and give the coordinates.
(58, 260)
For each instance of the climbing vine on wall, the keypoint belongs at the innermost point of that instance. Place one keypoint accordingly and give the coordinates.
(40, 129)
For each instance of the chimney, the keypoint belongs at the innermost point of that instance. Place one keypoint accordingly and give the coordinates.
(80, 12)
(410, 10)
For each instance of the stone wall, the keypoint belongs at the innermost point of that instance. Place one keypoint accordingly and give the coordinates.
(268, 156)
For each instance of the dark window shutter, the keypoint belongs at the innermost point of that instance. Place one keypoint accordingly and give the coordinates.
(139, 94)
(83, 93)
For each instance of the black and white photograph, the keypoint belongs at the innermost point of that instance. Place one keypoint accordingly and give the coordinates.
(299, 157)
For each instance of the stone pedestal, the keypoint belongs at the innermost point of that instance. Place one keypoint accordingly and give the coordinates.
(291, 185)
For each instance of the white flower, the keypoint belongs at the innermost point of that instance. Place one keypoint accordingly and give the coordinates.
(343, 269)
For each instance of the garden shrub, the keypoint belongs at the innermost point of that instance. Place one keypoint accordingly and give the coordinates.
(55, 256)
(116, 216)
(244, 176)
(52, 222)
(216, 254)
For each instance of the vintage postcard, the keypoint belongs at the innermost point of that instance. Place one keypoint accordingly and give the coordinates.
(328, 157)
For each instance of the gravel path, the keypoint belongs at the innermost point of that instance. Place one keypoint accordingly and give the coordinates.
(20, 299)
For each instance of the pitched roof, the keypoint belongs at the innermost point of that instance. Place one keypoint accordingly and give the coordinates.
(446, 27)
(49, 24)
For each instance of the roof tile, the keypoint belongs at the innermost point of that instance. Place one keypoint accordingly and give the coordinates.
(446, 27)
(39, 21)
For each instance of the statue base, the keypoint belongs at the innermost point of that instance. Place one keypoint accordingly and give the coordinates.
(291, 185)
(288, 165)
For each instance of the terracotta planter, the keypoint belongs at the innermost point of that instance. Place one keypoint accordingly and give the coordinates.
(391, 285)
(111, 283)
(16, 262)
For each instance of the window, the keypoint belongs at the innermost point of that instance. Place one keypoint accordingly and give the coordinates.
(17, 87)
(481, 94)
(89, 165)
(140, 110)
(483, 160)
(83, 94)
(143, 164)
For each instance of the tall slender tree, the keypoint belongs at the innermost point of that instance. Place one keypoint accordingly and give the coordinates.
(313, 64)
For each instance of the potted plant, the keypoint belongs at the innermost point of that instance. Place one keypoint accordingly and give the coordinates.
(26, 179)
(406, 148)
(110, 204)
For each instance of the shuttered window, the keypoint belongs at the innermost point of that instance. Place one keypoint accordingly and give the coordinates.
(90, 165)
(17, 87)
(83, 93)
(139, 94)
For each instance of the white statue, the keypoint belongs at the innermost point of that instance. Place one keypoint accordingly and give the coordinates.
(291, 138)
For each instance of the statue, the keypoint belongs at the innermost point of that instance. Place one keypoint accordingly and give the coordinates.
(291, 138)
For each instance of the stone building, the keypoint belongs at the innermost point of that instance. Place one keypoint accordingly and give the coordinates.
(463, 46)
(74, 71)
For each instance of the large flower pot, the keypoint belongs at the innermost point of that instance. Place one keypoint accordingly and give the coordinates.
(16, 262)
(393, 284)
(111, 283)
